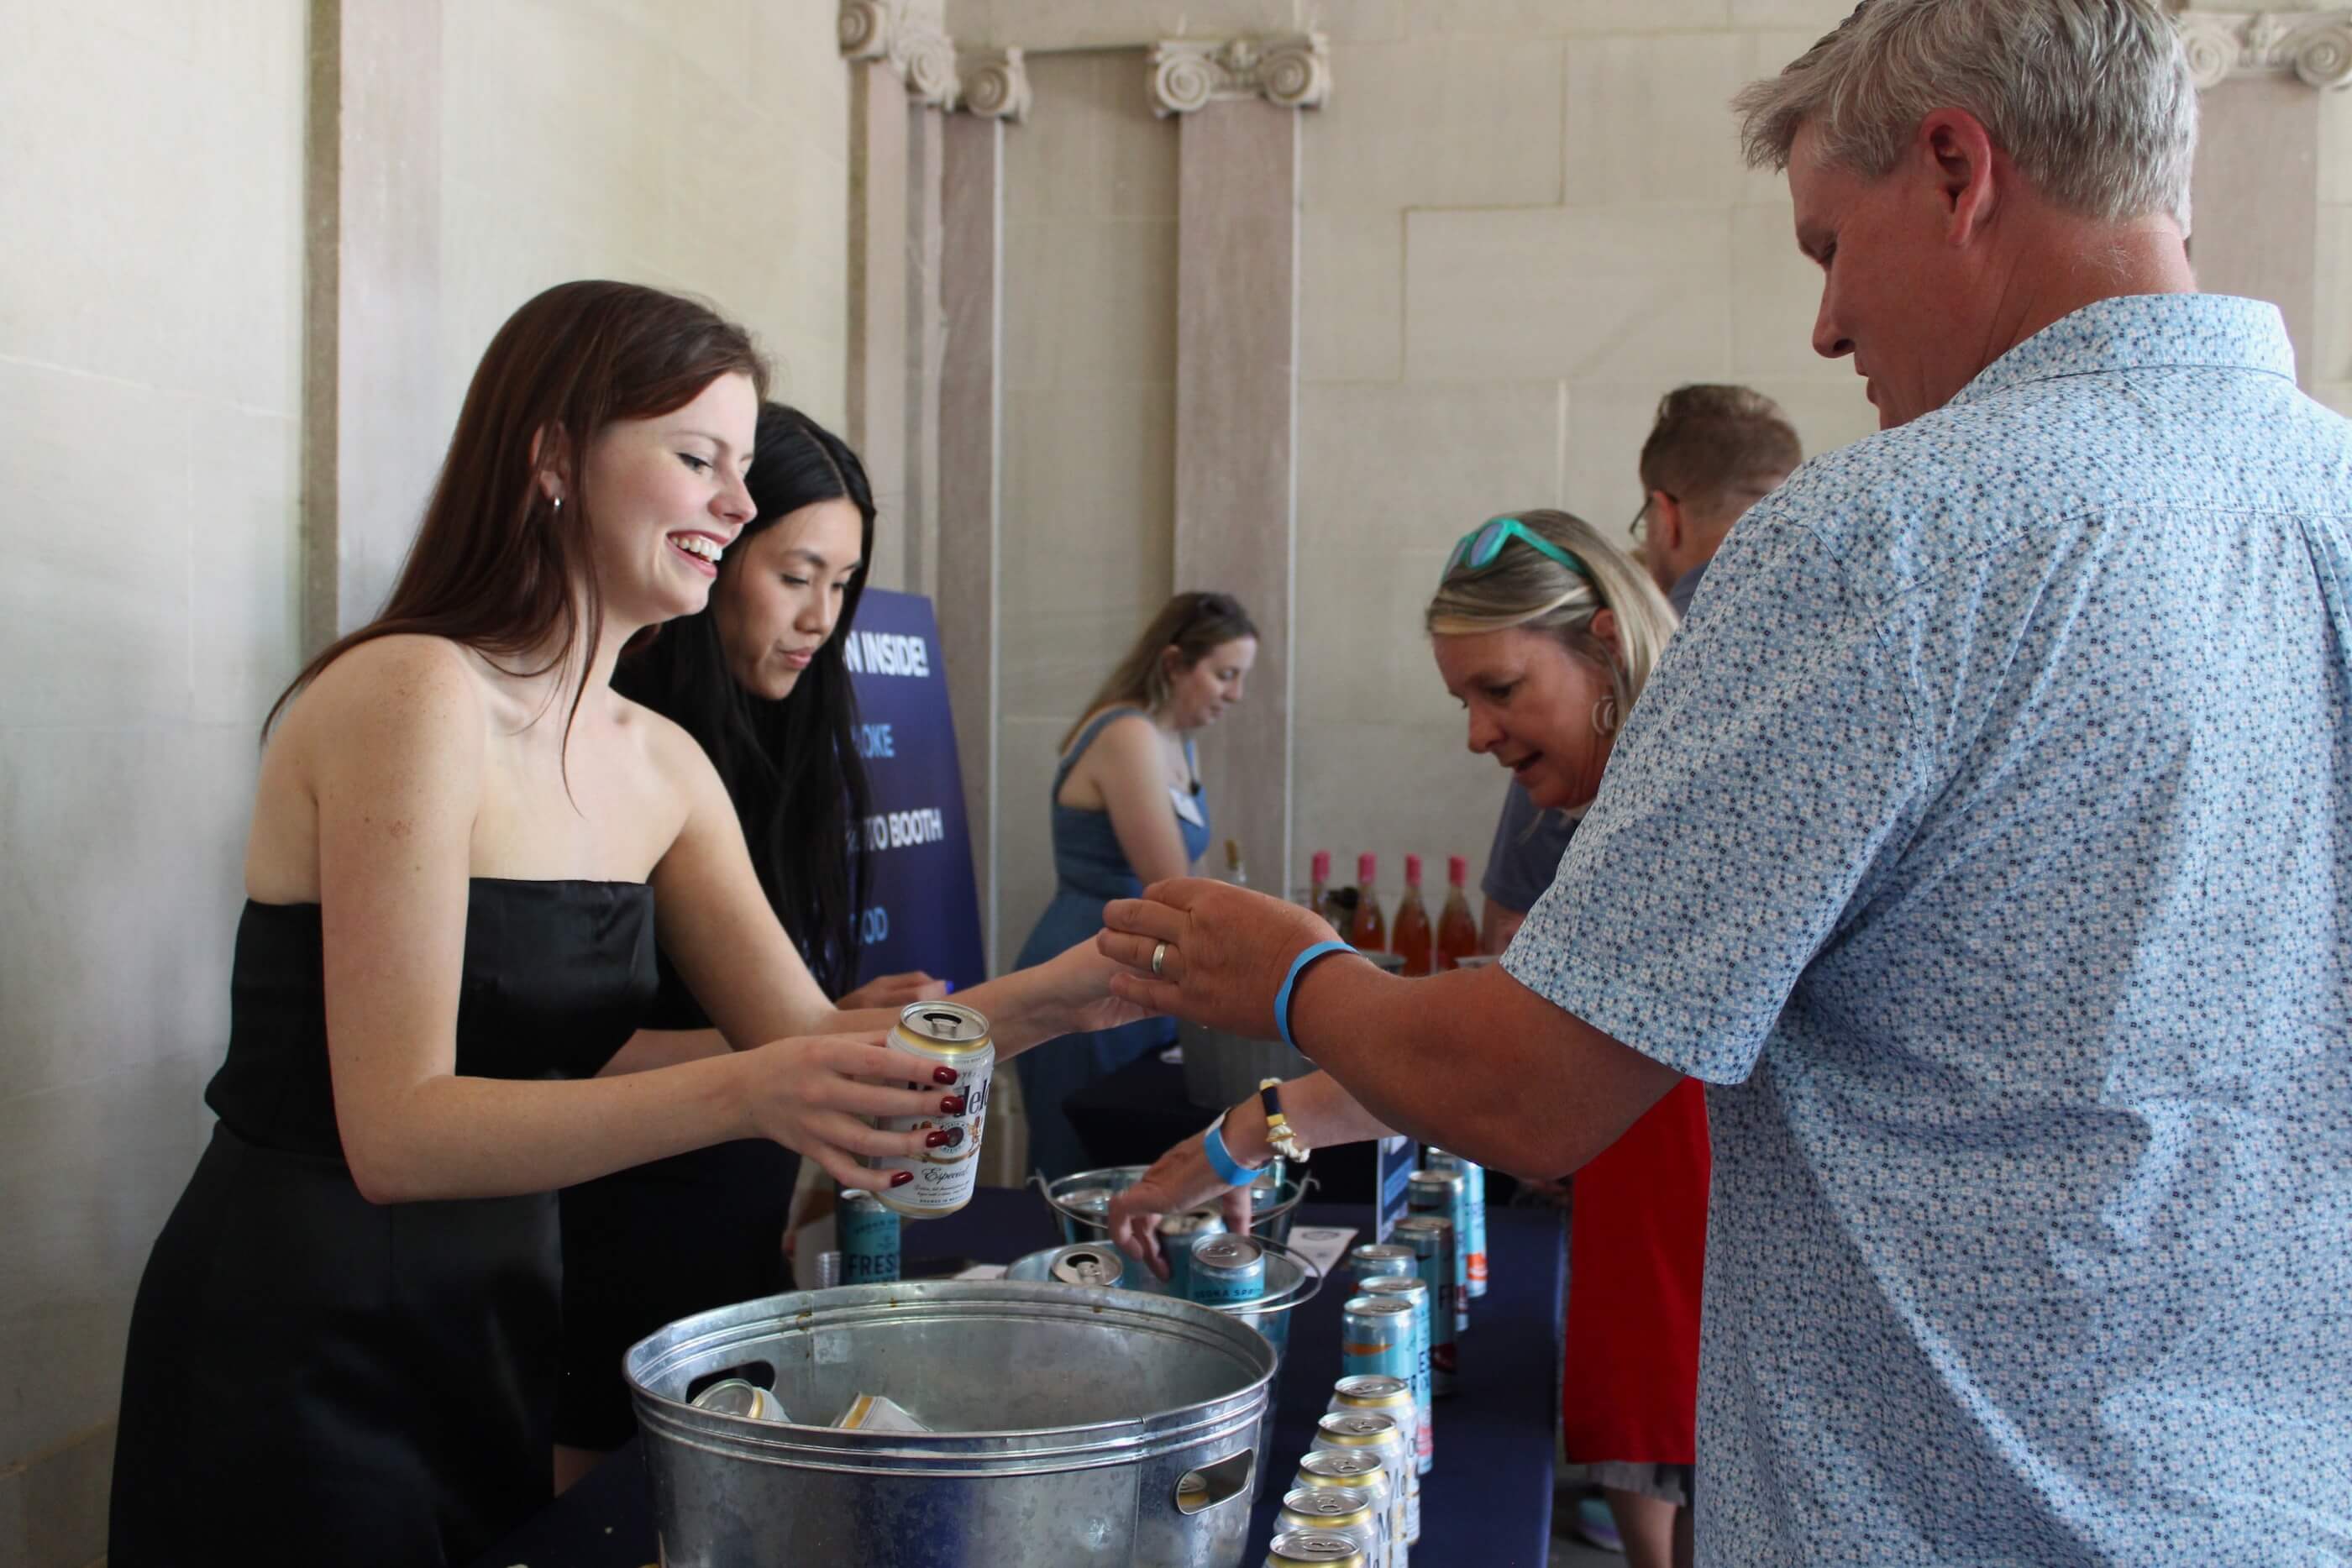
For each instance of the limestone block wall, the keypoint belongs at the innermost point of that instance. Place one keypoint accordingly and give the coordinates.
(1524, 223)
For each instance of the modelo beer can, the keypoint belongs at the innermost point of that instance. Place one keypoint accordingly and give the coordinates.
(1368, 1431)
(1425, 1389)
(1474, 1180)
(869, 1239)
(1390, 1396)
(1447, 1196)
(1227, 1270)
(1366, 1474)
(1320, 1510)
(1311, 1547)
(1375, 1338)
(1178, 1232)
(953, 1036)
(1432, 1239)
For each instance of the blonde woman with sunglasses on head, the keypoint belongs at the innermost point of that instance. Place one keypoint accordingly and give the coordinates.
(1546, 634)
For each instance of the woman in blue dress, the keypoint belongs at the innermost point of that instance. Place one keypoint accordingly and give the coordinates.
(1129, 812)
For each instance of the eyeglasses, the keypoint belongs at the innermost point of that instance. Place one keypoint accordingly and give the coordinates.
(1477, 549)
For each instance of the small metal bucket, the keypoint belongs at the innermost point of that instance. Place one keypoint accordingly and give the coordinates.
(1271, 1223)
(1291, 1281)
(1074, 1427)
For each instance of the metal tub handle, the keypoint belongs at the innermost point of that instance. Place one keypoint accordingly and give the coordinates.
(1197, 1491)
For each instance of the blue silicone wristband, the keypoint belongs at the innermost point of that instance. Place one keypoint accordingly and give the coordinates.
(1290, 983)
(1229, 1171)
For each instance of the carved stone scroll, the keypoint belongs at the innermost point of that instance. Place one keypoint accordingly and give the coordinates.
(1293, 72)
(2315, 46)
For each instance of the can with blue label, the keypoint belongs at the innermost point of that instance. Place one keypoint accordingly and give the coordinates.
(1375, 1337)
(1446, 1194)
(869, 1239)
(1179, 1233)
(1227, 1270)
(1423, 1387)
(1473, 1185)
(1432, 1239)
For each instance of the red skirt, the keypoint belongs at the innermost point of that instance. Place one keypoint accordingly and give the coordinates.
(1637, 1253)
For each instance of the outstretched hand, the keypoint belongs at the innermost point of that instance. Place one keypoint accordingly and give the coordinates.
(1227, 951)
(1179, 1182)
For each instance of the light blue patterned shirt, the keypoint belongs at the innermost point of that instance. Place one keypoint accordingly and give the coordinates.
(1985, 839)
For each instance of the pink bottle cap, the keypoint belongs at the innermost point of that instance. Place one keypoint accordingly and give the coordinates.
(1413, 868)
(1367, 866)
(1457, 869)
(1322, 865)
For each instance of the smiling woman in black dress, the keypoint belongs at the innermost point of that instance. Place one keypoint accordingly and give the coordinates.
(343, 1347)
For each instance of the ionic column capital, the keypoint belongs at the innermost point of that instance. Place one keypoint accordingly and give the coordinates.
(1293, 71)
(2317, 46)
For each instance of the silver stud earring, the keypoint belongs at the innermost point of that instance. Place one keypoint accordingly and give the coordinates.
(559, 505)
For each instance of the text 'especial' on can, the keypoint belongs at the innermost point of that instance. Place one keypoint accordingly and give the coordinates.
(953, 1036)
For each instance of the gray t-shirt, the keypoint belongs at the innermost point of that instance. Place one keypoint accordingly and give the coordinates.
(1529, 844)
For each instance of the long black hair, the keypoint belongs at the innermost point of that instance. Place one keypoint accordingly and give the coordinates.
(792, 766)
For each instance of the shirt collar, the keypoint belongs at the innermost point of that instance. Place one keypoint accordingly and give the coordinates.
(2145, 331)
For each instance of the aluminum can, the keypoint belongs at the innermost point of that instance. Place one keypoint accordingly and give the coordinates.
(1320, 1510)
(736, 1397)
(1446, 1194)
(1370, 1431)
(1178, 1232)
(1379, 1259)
(1376, 1338)
(1432, 1239)
(1088, 1263)
(869, 1239)
(1226, 1269)
(1331, 1469)
(1392, 1397)
(1474, 1179)
(1424, 1387)
(936, 1035)
(1315, 1550)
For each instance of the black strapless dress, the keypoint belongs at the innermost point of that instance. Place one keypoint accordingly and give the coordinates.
(660, 1241)
(312, 1378)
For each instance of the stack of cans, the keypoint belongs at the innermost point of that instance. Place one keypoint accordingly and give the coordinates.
(1390, 1397)
(1328, 1511)
(1445, 1194)
(1369, 1431)
(1366, 1475)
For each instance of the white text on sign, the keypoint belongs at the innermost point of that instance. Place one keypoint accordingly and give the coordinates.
(886, 653)
(899, 829)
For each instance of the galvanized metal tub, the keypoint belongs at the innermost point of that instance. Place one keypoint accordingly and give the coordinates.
(1072, 1427)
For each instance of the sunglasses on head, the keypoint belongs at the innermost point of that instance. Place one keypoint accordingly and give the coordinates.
(1477, 549)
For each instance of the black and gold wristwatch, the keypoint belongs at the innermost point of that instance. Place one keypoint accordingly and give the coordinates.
(1280, 1136)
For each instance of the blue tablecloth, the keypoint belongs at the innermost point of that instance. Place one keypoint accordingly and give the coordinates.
(1488, 1501)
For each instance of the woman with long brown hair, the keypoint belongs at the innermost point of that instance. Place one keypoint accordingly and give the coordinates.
(1127, 812)
(343, 1347)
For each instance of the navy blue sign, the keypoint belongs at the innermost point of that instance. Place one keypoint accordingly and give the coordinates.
(923, 905)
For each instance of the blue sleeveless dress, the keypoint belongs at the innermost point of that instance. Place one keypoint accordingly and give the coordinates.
(1091, 869)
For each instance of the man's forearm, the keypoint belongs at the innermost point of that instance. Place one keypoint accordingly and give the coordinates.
(1472, 1060)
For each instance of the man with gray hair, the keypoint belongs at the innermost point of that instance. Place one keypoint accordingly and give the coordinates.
(1985, 841)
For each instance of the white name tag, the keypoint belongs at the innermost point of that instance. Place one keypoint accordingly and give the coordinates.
(1187, 806)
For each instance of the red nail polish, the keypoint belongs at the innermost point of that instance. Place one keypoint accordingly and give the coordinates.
(900, 1178)
(951, 1106)
(943, 1075)
(935, 1139)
